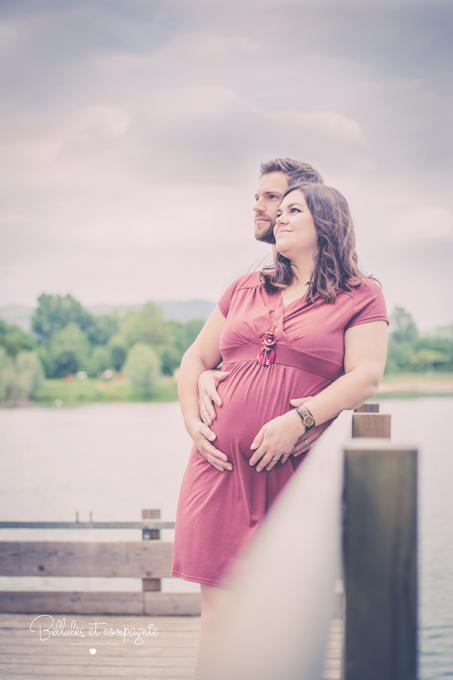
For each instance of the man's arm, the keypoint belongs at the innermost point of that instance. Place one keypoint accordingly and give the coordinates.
(202, 355)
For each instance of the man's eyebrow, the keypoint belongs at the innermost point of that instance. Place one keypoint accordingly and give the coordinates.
(268, 193)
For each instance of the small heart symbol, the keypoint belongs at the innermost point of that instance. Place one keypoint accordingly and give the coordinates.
(93, 651)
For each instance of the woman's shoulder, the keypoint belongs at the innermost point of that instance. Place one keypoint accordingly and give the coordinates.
(242, 283)
(364, 286)
(251, 280)
(368, 302)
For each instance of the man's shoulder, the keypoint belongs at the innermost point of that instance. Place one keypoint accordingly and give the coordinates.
(249, 269)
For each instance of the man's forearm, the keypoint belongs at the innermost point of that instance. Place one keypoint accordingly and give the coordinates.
(191, 369)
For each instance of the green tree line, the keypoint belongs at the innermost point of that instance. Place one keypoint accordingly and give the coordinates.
(409, 351)
(66, 338)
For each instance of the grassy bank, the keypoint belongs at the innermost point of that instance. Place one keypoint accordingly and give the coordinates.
(416, 384)
(92, 391)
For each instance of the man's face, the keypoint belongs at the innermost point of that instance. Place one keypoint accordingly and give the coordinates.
(268, 197)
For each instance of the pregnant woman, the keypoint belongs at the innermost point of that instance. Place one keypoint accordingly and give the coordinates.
(312, 327)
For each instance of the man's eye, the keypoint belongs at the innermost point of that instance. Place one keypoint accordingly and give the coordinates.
(273, 196)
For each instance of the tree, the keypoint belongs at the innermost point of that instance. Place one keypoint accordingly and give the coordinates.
(145, 326)
(118, 351)
(55, 312)
(6, 374)
(105, 326)
(402, 325)
(20, 378)
(30, 373)
(170, 359)
(14, 339)
(99, 360)
(142, 369)
(69, 350)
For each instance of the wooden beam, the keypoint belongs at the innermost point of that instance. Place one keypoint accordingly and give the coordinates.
(145, 559)
(151, 584)
(172, 604)
(371, 425)
(33, 602)
(138, 603)
(367, 408)
(380, 561)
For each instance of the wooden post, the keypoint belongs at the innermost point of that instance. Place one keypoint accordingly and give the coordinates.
(380, 561)
(151, 535)
(371, 425)
(367, 408)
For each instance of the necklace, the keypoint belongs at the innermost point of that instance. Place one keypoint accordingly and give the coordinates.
(266, 355)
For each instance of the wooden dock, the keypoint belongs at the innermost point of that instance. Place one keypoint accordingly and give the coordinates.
(359, 498)
(170, 655)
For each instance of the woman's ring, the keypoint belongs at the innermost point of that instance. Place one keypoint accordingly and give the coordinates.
(307, 442)
(275, 458)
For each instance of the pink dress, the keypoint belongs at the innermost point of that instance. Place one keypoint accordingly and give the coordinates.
(218, 512)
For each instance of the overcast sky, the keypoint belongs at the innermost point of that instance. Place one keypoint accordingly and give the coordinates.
(132, 132)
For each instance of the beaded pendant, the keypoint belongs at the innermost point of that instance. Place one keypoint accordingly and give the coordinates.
(266, 355)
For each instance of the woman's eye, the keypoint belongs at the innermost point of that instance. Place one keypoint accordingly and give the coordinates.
(279, 213)
(295, 210)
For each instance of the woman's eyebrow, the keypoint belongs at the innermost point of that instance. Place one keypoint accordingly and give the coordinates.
(290, 205)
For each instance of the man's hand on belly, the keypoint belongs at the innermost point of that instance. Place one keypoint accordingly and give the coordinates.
(208, 383)
(201, 435)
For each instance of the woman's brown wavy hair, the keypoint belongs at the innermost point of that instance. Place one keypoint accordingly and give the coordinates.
(336, 265)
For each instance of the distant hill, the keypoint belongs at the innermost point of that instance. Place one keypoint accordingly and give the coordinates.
(17, 314)
(176, 310)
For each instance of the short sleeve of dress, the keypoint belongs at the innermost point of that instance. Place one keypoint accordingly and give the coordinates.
(225, 300)
(369, 304)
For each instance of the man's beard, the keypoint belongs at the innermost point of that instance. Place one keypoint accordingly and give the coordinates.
(267, 236)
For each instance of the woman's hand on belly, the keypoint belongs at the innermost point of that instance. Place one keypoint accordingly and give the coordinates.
(276, 439)
(201, 434)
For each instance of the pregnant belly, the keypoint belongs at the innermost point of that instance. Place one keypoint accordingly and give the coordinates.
(251, 396)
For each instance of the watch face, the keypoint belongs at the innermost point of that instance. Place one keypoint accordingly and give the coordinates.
(309, 421)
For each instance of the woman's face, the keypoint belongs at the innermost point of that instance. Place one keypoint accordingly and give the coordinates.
(295, 233)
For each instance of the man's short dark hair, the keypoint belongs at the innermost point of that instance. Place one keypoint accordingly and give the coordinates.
(296, 171)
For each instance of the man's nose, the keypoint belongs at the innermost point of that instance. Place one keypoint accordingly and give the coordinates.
(258, 207)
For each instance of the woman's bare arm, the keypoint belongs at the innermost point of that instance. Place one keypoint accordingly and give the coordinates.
(364, 363)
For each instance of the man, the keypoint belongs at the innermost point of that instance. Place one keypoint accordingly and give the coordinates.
(276, 176)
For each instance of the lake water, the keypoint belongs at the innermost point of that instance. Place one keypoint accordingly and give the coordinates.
(117, 459)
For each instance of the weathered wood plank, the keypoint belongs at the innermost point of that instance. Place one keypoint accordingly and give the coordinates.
(380, 561)
(177, 604)
(371, 425)
(137, 559)
(367, 408)
(14, 620)
(138, 603)
(80, 659)
(104, 671)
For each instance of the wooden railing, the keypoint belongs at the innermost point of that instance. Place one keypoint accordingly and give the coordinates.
(350, 511)
(351, 507)
(149, 560)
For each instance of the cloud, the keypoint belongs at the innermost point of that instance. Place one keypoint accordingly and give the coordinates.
(136, 127)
